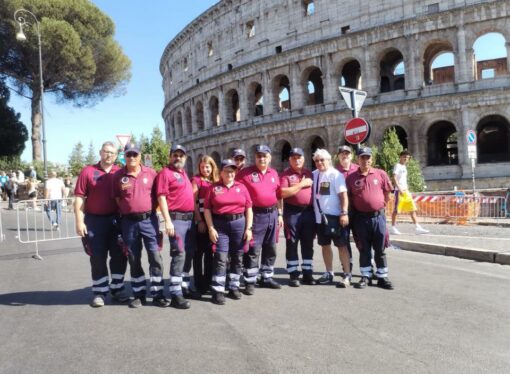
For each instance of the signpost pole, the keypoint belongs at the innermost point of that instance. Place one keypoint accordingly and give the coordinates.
(473, 174)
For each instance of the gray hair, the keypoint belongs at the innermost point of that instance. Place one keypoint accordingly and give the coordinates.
(108, 144)
(321, 153)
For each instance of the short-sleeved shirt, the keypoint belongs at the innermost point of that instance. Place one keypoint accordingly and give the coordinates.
(400, 174)
(221, 199)
(346, 172)
(135, 193)
(326, 187)
(3, 179)
(367, 193)
(202, 185)
(54, 186)
(176, 187)
(290, 178)
(95, 184)
(264, 189)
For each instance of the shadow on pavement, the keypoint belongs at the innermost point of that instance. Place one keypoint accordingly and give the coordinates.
(73, 297)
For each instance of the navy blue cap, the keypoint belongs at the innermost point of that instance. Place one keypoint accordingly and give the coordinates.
(177, 147)
(132, 147)
(228, 163)
(296, 151)
(344, 148)
(262, 148)
(365, 151)
(238, 152)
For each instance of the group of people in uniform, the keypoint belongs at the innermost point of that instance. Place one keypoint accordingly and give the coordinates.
(225, 222)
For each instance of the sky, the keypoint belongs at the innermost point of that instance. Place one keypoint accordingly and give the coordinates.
(143, 29)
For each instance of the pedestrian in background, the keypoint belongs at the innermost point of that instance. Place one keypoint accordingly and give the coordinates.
(401, 187)
(263, 184)
(203, 258)
(134, 192)
(53, 193)
(298, 217)
(331, 215)
(97, 222)
(175, 198)
(229, 217)
(239, 157)
(369, 192)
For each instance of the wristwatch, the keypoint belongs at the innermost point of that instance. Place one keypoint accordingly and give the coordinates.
(344, 213)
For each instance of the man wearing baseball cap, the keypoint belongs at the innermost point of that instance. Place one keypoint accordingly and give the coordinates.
(175, 198)
(369, 191)
(298, 217)
(134, 193)
(263, 184)
(239, 156)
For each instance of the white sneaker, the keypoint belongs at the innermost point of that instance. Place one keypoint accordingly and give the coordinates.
(421, 230)
(394, 231)
(97, 301)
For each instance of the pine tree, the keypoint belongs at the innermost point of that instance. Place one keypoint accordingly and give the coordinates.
(76, 159)
(91, 155)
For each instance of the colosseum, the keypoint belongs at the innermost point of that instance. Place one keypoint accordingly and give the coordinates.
(269, 71)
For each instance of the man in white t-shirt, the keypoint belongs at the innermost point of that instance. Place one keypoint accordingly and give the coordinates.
(54, 192)
(330, 202)
(400, 179)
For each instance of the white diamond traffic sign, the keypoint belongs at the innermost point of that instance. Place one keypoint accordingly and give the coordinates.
(349, 94)
(123, 140)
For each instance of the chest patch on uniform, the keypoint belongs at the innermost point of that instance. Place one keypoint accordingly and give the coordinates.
(272, 179)
(376, 182)
(96, 175)
(124, 180)
(145, 180)
(255, 178)
(125, 183)
(238, 189)
(177, 175)
(218, 190)
(324, 188)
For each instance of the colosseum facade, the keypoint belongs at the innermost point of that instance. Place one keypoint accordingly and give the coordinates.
(269, 71)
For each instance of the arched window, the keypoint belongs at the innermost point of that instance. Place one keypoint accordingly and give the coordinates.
(442, 144)
(402, 135)
(178, 128)
(315, 144)
(392, 71)
(438, 63)
(199, 108)
(351, 75)
(281, 90)
(216, 157)
(187, 118)
(314, 86)
(493, 139)
(214, 110)
(490, 56)
(255, 99)
(233, 112)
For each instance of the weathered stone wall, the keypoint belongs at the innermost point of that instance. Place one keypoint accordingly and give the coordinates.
(213, 63)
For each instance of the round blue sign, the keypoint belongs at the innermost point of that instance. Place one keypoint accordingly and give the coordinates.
(471, 137)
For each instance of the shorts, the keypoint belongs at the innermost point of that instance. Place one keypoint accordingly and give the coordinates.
(339, 241)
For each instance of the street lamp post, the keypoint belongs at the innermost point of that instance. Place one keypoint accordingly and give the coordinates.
(20, 16)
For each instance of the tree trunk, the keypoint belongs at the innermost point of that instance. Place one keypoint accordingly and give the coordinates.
(36, 123)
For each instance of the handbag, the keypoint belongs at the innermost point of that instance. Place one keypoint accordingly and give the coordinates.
(330, 224)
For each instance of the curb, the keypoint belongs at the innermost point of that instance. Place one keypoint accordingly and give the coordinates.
(460, 252)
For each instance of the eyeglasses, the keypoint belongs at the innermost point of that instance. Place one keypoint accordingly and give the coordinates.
(109, 153)
(131, 154)
(321, 160)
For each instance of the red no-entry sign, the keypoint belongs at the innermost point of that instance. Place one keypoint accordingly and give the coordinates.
(356, 130)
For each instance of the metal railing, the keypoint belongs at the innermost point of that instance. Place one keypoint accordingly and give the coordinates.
(2, 235)
(44, 220)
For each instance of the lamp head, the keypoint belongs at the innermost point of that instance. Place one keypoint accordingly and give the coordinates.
(20, 35)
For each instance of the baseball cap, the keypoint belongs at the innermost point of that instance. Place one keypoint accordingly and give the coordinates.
(228, 163)
(238, 152)
(132, 147)
(365, 151)
(344, 148)
(296, 151)
(262, 148)
(177, 147)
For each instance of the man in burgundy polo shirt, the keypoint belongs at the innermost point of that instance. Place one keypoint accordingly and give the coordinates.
(263, 184)
(133, 189)
(175, 198)
(96, 222)
(298, 217)
(369, 191)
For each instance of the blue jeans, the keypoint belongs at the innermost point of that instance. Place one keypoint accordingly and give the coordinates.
(56, 206)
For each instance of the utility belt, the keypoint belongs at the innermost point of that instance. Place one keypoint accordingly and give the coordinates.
(138, 216)
(270, 209)
(228, 217)
(297, 208)
(181, 216)
(100, 215)
(377, 213)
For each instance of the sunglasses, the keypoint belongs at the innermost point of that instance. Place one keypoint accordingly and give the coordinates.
(131, 154)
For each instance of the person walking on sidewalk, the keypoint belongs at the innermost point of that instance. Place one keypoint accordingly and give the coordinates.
(53, 193)
(401, 187)
(97, 223)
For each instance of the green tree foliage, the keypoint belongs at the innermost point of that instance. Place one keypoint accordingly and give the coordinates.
(82, 63)
(76, 159)
(91, 155)
(159, 149)
(13, 132)
(388, 154)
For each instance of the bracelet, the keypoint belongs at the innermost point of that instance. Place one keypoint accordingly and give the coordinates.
(344, 213)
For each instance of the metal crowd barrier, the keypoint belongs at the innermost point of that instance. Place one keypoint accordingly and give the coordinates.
(38, 221)
(2, 236)
(457, 208)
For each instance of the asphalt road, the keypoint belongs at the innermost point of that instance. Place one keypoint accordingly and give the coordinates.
(446, 315)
